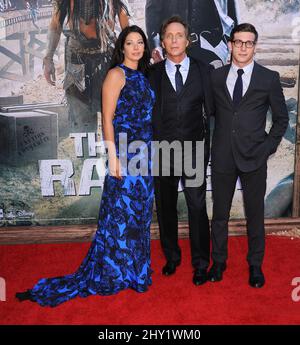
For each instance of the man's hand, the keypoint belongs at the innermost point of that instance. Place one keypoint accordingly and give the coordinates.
(157, 55)
(115, 167)
(49, 71)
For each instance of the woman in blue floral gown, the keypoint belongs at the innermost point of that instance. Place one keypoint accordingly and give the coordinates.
(119, 256)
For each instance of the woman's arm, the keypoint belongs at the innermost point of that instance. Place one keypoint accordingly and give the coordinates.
(123, 19)
(112, 86)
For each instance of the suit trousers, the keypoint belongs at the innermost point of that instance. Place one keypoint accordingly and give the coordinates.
(166, 196)
(254, 189)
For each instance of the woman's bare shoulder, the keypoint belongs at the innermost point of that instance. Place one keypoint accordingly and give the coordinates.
(115, 76)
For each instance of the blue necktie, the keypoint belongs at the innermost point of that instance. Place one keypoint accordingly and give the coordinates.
(238, 88)
(178, 79)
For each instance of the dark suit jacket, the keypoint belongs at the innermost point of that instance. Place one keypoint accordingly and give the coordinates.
(155, 78)
(239, 137)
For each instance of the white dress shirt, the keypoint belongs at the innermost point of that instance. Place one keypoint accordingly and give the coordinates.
(232, 77)
(171, 70)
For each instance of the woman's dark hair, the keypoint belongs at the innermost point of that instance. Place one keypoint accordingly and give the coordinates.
(118, 56)
(244, 27)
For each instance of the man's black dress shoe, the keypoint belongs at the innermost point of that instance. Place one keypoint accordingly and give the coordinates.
(200, 276)
(256, 277)
(169, 268)
(215, 274)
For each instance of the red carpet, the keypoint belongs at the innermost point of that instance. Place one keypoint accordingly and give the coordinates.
(170, 300)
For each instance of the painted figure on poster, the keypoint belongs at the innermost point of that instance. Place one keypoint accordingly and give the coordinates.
(90, 39)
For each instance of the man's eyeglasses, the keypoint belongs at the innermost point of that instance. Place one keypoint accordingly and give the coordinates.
(248, 44)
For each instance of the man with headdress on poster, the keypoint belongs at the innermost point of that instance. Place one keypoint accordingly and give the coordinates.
(210, 23)
(90, 39)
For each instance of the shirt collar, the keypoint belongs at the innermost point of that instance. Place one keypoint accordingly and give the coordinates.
(170, 65)
(247, 69)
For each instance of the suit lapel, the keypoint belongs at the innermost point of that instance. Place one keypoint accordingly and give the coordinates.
(170, 84)
(224, 81)
(169, 81)
(188, 80)
(253, 82)
(158, 78)
(158, 83)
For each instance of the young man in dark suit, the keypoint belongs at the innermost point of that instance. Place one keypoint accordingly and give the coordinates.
(243, 93)
(182, 87)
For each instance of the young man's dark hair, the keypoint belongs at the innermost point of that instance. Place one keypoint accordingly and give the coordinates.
(245, 27)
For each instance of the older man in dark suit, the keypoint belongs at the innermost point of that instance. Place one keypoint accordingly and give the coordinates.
(182, 87)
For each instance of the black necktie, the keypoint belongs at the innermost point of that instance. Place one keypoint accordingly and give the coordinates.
(178, 79)
(238, 88)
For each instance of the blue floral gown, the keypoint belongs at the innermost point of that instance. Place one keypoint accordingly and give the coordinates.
(119, 256)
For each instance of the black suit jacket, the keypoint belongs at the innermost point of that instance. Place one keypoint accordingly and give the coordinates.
(239, 137)
(155, 77)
